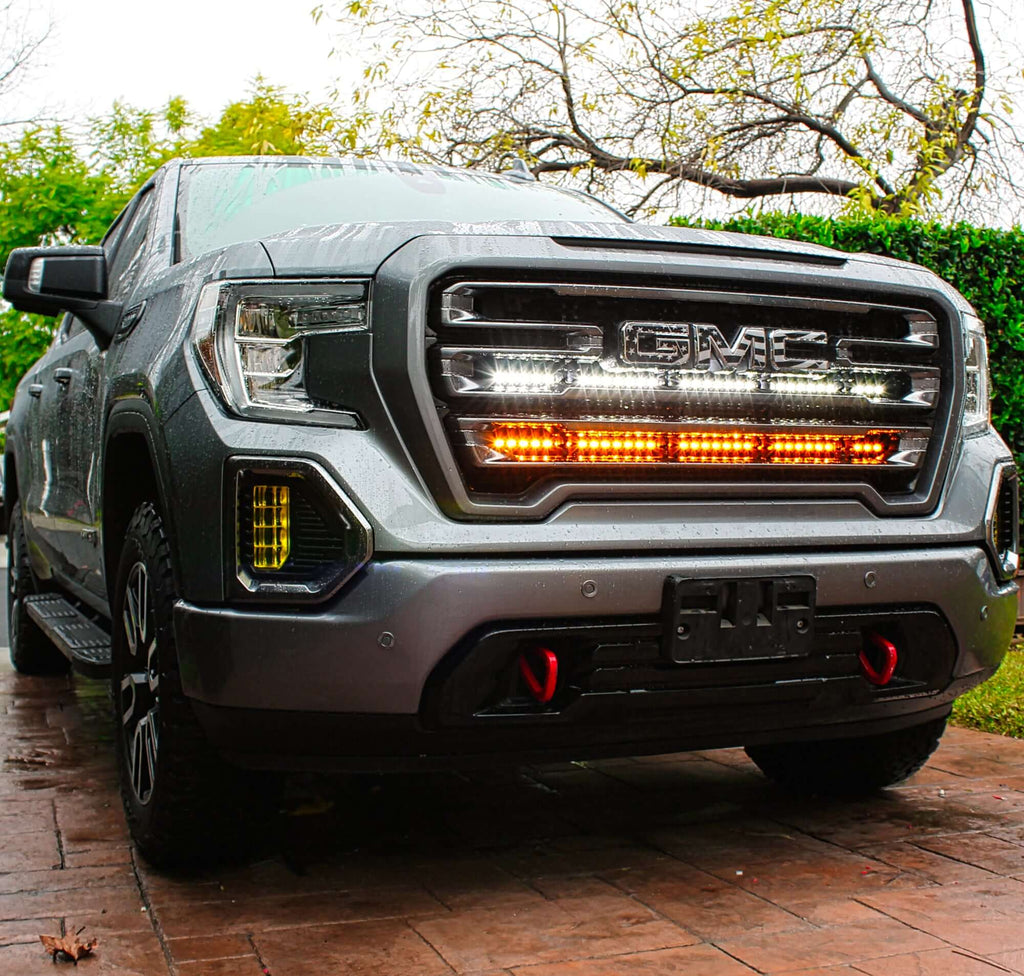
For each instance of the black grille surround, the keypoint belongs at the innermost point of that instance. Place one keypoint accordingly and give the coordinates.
(673, 356)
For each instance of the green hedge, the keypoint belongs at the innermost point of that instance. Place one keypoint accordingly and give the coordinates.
(986, 265)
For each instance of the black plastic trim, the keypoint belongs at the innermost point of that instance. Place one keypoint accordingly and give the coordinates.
(729, 251)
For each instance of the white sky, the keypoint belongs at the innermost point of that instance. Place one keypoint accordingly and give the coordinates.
(146, 51)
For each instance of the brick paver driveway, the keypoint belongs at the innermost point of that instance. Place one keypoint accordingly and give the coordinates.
(683, 864)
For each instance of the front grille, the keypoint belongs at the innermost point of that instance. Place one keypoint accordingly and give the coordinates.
(574, 380)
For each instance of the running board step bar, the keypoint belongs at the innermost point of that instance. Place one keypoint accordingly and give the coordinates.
(84, 644)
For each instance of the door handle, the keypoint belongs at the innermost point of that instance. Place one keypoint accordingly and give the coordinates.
(35, 390)
(63, 375)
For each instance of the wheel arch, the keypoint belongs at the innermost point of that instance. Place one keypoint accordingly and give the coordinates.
(134, 471)
(10, 485)
(15, 447)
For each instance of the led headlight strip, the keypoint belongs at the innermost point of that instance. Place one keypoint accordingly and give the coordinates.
(553, 443)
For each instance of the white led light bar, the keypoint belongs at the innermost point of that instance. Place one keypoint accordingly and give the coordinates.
(619, 380)
(812, 384)
(498, 372)
(515, 380)
(715, 383)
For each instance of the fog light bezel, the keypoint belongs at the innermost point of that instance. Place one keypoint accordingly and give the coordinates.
(1006, 561)
(329, 501)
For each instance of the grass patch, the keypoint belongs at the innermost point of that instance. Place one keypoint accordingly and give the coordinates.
(998, 704)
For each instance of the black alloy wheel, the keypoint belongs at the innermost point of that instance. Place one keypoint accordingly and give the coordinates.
(140, 685)
(184, 805)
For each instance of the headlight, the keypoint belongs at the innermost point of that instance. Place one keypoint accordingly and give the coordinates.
(976, 390)
(251, 337)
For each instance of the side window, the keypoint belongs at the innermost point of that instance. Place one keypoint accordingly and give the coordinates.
(113, 235)
(130, 250)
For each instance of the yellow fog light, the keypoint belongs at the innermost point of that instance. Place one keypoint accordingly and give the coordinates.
(271, 523)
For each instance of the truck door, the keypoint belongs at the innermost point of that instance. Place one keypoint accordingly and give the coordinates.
(75, 378)
(83, 405)
(42, 478)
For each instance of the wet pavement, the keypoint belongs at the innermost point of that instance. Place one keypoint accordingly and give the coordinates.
(683, 864)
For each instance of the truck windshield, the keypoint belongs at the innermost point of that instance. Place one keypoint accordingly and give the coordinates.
(225, 204)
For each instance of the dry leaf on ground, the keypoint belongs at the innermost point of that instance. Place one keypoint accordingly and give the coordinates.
(68, 945)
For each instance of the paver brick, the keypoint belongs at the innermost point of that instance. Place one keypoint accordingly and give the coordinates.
(935, 962)
(704, 960)
(703, 904)
(577, 922)
(981, 850)
(831, 946)
(272, 912)
(235, 966)
(927, 864)
(377, 948)
(26, 930)
(982, 919)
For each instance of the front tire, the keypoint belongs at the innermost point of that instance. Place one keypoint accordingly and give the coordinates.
(178, 795)
(32, 652)
(849, 767)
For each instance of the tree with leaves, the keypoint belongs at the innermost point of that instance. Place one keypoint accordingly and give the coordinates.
(885, 102)
(56, 188)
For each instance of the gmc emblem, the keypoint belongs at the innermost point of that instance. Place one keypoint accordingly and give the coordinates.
(691, 345)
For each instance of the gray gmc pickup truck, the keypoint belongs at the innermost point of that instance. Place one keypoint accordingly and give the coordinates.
(347, 465)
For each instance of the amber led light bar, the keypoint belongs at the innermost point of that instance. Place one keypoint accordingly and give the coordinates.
(557, 444)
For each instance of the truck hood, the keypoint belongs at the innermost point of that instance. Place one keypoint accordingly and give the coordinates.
(360, 249)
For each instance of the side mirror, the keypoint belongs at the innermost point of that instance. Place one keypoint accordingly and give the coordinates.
(51, 280)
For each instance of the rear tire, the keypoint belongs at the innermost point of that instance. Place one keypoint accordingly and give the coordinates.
(181, 800)
(849, 767)
(32, 652)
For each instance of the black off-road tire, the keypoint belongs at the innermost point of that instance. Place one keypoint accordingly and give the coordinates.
(183, 807)
(849, 767)
(32, 652)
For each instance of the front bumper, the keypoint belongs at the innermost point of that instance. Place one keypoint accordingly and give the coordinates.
(367, 658)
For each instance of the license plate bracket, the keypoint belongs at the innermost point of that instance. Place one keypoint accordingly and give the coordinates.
(737, 619)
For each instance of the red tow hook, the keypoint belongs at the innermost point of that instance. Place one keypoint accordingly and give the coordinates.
(540, 675)
(886, 650)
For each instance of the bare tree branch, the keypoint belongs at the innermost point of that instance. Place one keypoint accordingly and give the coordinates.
(884, 102)
(20, 43)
